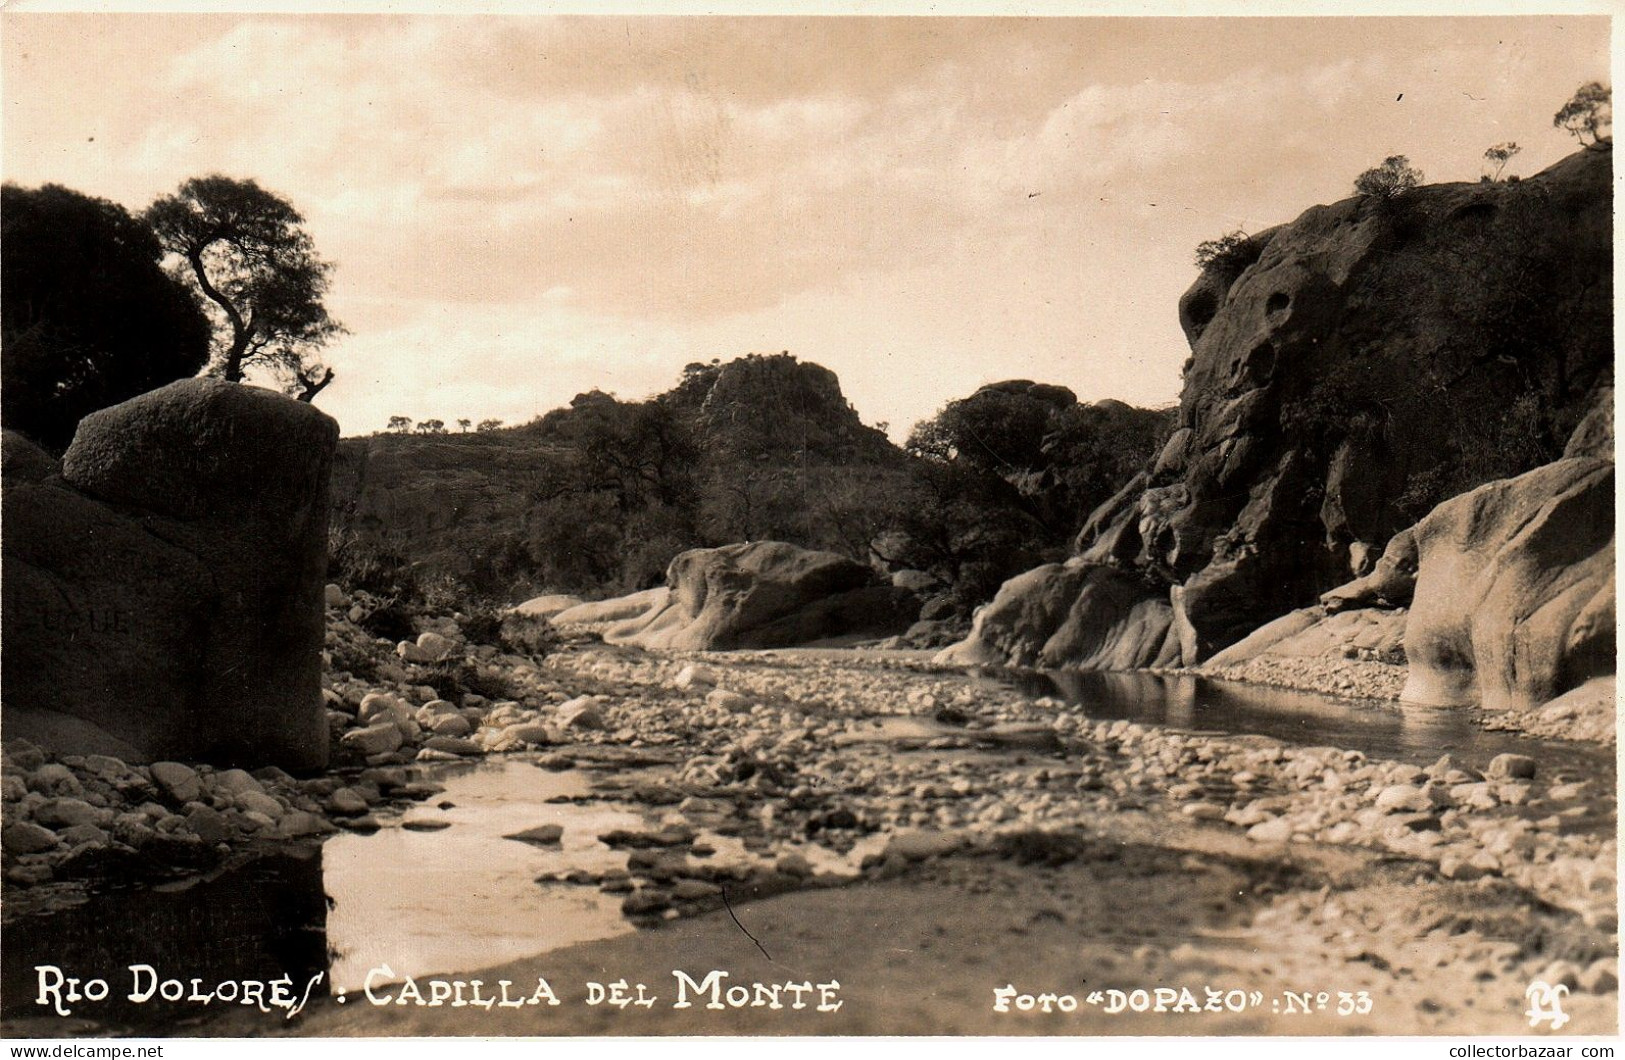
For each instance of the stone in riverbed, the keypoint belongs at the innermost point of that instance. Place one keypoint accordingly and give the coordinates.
(259, 802)
(693, 890)
(208, 824)
(436, 646)
(65, 813)
(541, 835)
(347, 801)
(455, 745)
(646, 902)
(26, 837)
(179, 782)
(694, 675)
(1274, 830)
(582, 712)
(450, 725)
(379, 739)
(1511, 767)
(1403, 798)
(918, 846)
(376, 706)
(732, 702)
(82, 835)
(236, 782)
(301, 823)
(524, 732)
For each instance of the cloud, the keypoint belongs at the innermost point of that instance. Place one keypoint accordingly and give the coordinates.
(519, 207)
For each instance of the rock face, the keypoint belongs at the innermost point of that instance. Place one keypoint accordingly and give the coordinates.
(766, 594)
(1071, 615)
(1514, 599)
(163, 587)
(1374, 359)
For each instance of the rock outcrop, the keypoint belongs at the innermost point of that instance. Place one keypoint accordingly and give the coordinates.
(1514, 599)
(163, 585)
(766, 594)
(1071, 614)
(1375, 358)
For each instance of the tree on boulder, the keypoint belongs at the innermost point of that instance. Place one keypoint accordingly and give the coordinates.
(246, 251)
(88, 318)
(1589, 112)
(1390, 180)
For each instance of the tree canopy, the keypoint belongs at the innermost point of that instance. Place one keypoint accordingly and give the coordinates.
(245, 250)
(1588, 113)
(88, 317)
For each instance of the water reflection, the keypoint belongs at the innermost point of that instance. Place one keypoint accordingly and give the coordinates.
(258, 921)
(465, 897)
(1185, 701)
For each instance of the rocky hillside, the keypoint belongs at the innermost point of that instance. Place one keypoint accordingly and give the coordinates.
(600, 496)
(484, 506)
(1371, 360)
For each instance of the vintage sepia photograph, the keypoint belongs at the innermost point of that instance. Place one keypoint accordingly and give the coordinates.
(849, 521)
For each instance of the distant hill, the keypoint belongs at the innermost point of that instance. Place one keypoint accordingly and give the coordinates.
(597, 497)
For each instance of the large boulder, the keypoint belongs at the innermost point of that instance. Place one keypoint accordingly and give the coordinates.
(163, 586)
(1072, 614)
(766, 594)
(1514, 597)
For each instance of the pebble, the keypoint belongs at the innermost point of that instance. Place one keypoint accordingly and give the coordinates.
(1511, 767)
(732, 702)
(583, 712)
(693, 676)
(1274, 830)
(541, 835)
(347, 801)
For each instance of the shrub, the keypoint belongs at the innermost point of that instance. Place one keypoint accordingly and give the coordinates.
(526, 635)
(1230, 253)
(1389, 181)
(392, 620)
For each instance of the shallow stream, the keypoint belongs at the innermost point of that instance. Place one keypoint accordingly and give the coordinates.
(442, 889)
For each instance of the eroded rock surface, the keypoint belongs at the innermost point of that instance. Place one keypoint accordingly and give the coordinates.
(766, 594)
(1371, 357)
(163, 586)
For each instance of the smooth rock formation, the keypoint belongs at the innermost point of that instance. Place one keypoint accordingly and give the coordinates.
(164, 587)
(766, 594)
(1514, 600)
(547, 606)
(1081, 615)
(615, 610)
(1372, 357)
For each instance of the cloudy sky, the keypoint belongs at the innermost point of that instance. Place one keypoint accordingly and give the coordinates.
(521, 208)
